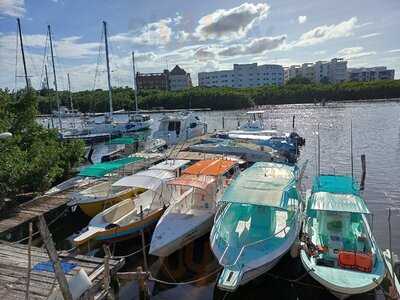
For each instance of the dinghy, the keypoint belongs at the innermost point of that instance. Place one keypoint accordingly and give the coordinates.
(125, 219)
(193, 207)
(339, 250)
(258, 220)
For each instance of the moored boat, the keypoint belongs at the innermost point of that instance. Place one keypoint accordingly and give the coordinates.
(195, 195)
(258, 221)
(339, 250)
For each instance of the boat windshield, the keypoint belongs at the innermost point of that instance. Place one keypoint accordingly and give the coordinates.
(244, 232)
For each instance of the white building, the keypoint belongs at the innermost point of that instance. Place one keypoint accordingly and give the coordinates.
(370, 74)
(333, 71)
(178, 79)
(243, 75)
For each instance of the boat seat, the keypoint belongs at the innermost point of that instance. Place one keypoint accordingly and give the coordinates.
(119, 211)
(364, 262)
(347, 259)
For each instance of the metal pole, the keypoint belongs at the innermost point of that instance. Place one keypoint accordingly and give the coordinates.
(134, 81)
(70, 98)
(23, 53)
(55, 77)
(108, 70)
(390, 240)
(48, 90)
(293, 121)
(363, 172)
(318, 153)
(351, 148)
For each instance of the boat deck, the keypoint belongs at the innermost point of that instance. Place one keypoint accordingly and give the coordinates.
(14, 270)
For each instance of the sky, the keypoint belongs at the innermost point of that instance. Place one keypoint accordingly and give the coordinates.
(197, 35)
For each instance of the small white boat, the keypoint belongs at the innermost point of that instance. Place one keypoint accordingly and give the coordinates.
(193, 207)
(66, 113)
(177, 128)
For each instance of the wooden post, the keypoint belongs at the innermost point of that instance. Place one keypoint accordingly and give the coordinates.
(146, 267)
(106, 277)
(28, 277)
(53, 255)
(223, 122)
(293, 121)
(390, 240)
(143, 290)
(364, 171)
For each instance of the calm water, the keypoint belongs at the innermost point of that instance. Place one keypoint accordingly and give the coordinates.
(376, 133)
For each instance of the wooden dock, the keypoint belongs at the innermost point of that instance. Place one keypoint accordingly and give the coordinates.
(14, 270)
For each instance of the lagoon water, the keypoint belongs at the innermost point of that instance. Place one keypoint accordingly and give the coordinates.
(376, 133)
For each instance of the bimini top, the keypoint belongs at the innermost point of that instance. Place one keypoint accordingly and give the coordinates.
(170, 165)
(337, 193)
(149, 179)
(253, 112)
(200, 182)
(101, 169)
(264, 183)
(210, 167)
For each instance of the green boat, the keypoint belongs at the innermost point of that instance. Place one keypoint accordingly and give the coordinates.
(339, 250)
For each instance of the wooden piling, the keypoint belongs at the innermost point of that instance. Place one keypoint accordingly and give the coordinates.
(146, 267)
(51, 251)
(364, 171)
(223, 122)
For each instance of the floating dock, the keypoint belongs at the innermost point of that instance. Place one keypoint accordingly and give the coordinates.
(14, 270)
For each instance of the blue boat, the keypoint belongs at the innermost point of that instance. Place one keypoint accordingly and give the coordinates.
(258, 221)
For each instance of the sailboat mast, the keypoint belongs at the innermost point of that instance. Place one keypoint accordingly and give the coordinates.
(70, 94)
(134, 81)
(108, 69)
(23, 53)
(55, 76)
(47, 77)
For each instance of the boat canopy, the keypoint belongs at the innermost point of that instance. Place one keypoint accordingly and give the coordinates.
(264, 183)
(101, 169)
(210, 167)
(149, 179)
(336, 184)
(253, 112)
(338, 202)
(200, 182)
(170, 164)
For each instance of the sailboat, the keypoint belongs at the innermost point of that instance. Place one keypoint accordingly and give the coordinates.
(127, 218)
(258, 220)
(110, 126)
(339, 249)
(191, 213)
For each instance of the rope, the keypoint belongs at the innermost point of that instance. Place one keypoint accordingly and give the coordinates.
(131, 254)
(184, 282)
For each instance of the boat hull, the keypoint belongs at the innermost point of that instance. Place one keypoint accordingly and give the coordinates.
(93, 208)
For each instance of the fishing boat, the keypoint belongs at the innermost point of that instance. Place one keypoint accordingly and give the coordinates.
(339, 250)
(247, 151)
(127, 218)
(103, 194)
(193, 207)
(258, 221)
(177, 128)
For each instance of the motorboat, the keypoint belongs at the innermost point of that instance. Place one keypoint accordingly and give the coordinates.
(177, 128)
(103, 194)
(339, 250)
(128, 217)
(258, 221)
(248, 151)
(65, 112)
(193, 207)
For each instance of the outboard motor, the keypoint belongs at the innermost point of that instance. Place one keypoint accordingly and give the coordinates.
(297, 139)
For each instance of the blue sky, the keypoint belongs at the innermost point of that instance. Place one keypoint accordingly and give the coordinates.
(198, 35)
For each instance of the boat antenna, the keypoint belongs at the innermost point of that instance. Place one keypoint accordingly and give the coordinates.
(55, 77)
(23, 53)
(108, 69)
(351, 148)
(134, 81)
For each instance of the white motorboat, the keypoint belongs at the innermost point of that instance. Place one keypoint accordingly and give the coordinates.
(194, 198)
(177, 128)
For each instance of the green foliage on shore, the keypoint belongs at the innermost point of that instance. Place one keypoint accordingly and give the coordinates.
(34, 158)
(297, 91)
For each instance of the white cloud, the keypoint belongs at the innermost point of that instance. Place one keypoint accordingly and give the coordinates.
(228, 24)
(365, 36)
(354, 53)
(13, 8)
(320, 52)
(302, 19)
(256, 46)
(327, 32)
(394, 51)
(204, 54)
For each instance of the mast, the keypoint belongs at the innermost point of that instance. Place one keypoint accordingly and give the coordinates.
(55, 77)
(23, 53)
(70, 94)
(48, 91)
(108, 69)
(134, 81)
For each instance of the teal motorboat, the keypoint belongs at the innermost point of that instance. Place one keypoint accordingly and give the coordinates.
(339, 250)
(258, 220)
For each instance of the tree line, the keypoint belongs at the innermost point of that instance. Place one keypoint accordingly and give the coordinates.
(221, 98)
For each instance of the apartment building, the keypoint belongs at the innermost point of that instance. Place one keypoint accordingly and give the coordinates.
(243, 75)
(370, 74)
(179, 79)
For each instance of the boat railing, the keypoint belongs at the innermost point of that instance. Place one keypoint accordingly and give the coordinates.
(294, 217)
